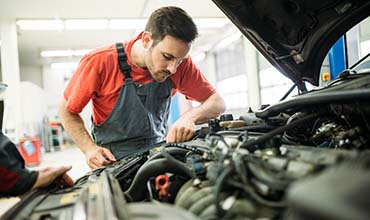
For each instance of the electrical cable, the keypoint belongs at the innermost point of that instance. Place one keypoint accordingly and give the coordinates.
(250, 144)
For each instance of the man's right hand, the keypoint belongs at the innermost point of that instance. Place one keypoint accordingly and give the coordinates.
(99, 157)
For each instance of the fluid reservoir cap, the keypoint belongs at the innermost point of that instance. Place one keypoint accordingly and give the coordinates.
(226, 117)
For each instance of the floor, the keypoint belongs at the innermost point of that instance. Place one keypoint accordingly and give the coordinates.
(70, 155)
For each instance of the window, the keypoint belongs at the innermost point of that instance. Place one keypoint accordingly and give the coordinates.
(273, 84)
(231, 75)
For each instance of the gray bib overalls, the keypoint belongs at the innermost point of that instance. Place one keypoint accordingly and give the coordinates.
(139, 117)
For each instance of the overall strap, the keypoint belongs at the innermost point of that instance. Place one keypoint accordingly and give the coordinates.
(122, 60)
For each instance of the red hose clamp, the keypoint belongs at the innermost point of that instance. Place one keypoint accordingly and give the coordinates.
(162, 182)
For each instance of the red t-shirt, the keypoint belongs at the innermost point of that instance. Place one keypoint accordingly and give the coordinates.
(99, 78)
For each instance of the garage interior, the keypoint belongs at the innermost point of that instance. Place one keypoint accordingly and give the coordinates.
(38, 61)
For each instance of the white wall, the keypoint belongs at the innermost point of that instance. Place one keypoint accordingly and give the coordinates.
(32, 74)
(33, 108)
(53, 83)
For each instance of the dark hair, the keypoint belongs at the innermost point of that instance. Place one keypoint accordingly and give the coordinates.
(171, 21)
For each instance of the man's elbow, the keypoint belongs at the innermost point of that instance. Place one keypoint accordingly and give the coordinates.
(64, 113)
(219, 105)
(62, 108)
(222, 106)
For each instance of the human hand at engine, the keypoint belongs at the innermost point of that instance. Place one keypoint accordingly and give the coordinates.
(182, 130)
(98, 157)
(56, 175)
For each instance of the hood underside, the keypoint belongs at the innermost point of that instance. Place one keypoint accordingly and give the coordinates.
(295, 35)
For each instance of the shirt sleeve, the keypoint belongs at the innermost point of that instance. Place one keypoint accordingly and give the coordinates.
(83, 84)
(15, 179)
(192, 83)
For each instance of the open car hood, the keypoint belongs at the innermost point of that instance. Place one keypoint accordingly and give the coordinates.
(295, 36)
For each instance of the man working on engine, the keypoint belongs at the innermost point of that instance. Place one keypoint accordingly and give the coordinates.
(131, 85)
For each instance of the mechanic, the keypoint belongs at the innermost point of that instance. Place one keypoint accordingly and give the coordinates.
(131, 85)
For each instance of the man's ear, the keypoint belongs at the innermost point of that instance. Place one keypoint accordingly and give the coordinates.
(147, 40)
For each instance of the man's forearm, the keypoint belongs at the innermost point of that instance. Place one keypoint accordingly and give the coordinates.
(211, 108)
(75, 127)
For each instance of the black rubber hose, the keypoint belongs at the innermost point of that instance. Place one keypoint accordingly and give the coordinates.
(137, 192)
(271, 181)
(250, 144)
(221, 180)
(176, 161)
(309, 100)
(170, 150)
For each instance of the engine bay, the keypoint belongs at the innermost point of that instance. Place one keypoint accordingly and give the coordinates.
(285, 161)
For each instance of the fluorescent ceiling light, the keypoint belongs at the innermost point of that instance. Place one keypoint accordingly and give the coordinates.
(56, 53)
(70, 65)
(40, 24)
(98, 24)
(210, 22)
(127, 23)
(86, 24)
(63, 53)
(80, 53)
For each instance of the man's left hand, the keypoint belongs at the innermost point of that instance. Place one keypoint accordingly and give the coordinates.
(57, 175)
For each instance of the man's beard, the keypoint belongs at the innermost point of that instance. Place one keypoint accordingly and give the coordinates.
(158, 76)
(161, 76)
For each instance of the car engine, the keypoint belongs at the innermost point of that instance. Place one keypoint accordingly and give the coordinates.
(285, 161)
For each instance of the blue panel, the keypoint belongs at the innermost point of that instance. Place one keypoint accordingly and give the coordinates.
(174, 110)
(337, 58)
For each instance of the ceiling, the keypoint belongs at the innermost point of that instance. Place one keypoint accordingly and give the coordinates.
(30, 43)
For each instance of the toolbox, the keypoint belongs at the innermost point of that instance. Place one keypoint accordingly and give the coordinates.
(30, 150)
